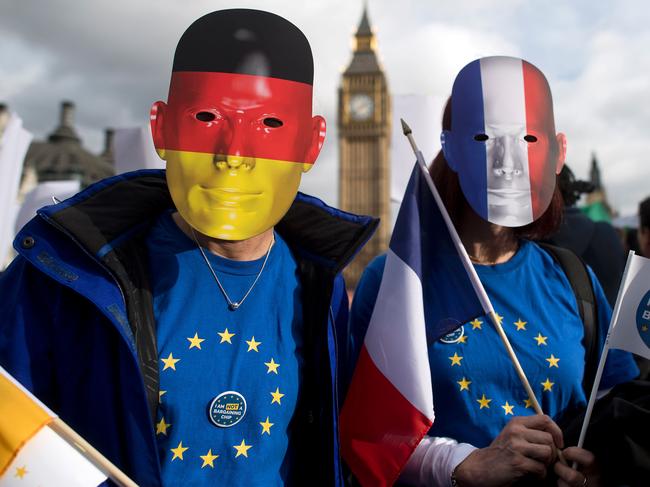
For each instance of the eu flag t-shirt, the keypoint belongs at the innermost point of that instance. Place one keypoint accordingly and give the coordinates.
(229, 380)
(476, 390)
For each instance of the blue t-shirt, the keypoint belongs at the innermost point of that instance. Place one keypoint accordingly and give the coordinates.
(229, 380)
(476, 390)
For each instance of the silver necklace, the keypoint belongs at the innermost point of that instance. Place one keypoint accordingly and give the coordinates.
(232, 305)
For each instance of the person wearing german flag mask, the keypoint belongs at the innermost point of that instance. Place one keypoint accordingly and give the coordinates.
(237, 132)
(186, 322)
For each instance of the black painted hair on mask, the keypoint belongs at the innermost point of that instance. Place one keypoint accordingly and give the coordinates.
(244, 41)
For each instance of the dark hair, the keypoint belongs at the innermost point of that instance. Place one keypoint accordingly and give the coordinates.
(644, 213)
(245, 41)
(449, 187)
(570, 187)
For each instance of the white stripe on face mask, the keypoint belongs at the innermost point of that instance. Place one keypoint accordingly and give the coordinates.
(507, 168)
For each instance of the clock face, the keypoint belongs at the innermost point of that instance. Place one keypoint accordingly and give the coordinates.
(361, 107)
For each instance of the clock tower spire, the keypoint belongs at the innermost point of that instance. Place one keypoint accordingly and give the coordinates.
(364, 123)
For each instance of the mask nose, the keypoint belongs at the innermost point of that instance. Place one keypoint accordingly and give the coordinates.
(225, 162)
(507, 162)
(235, 157)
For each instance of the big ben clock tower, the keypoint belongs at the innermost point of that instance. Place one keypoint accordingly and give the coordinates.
(364, 139)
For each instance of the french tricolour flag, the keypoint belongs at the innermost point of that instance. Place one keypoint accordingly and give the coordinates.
(389, 406)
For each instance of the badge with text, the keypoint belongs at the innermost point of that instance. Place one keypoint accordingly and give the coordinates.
(454, 336)
(643, 318)
(227, 409)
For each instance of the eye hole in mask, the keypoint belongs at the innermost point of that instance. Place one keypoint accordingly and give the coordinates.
(205, 116)
(530, 138)
(481, 137)
(273, 122)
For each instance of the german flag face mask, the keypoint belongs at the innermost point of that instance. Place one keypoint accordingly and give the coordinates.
(237, 131)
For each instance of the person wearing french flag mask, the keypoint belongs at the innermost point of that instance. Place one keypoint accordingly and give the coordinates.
(496, 175)
(502, 142)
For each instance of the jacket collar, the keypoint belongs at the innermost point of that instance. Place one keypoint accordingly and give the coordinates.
(107, 213)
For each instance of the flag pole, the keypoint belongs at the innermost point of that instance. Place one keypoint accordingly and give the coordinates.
(603, 356)
(467, 264)
(460, 248)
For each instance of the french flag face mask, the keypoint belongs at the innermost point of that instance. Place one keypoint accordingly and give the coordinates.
(502, 142)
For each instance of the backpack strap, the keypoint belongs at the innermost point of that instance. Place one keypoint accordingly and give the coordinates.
(576, 271)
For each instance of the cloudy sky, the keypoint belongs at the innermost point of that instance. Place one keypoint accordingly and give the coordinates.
(112, 58)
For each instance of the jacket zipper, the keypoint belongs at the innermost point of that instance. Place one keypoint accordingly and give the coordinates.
(94, 258)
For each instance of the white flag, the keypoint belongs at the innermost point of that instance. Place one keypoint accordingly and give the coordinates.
(631, 327)
(13, 147)
(424, 113)
(133, 149)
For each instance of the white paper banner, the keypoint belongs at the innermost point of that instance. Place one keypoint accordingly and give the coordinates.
(13, 147)
(423, 113)
(42, 196)
(133, 149)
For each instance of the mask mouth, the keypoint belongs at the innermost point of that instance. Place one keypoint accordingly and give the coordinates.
(230, 192)
(230, 198)
(506, 196)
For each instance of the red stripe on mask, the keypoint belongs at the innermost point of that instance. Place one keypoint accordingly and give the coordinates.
(238, 115)
(542, 153)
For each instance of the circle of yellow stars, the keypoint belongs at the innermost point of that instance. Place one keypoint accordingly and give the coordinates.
(170, 362)
(520, 325)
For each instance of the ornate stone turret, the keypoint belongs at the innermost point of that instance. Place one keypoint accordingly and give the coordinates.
(63, 157)
(597, 207)
(594, 173)
(109, 139)
(364, 59)
(65, 132)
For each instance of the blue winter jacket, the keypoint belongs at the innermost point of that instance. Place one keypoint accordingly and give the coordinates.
(77, 325)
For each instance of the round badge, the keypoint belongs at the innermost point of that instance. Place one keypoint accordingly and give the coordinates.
(227, 409)
(643, 319)
(454, 336)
